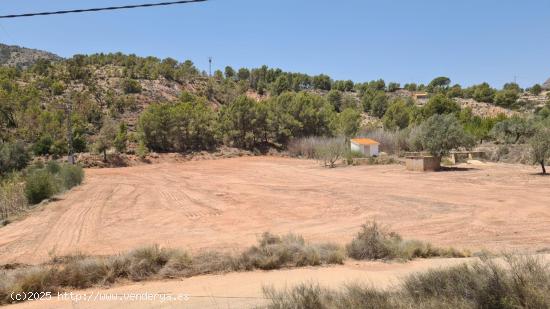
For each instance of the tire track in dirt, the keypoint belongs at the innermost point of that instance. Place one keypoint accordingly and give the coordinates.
(225, 204)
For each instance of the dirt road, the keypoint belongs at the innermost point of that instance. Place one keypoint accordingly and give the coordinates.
(226, 204)
(236, 290)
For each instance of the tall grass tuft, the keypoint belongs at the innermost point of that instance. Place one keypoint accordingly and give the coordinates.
(512, 282)
(273, 252)
(374, 243)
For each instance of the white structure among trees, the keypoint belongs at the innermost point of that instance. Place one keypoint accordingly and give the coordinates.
(366, 146)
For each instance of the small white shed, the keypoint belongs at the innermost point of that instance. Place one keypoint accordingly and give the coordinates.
(366, 146)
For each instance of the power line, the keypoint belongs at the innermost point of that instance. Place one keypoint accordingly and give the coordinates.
(111, 8)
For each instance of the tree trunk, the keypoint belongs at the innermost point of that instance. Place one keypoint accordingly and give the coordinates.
(104, 155)
(543, 168)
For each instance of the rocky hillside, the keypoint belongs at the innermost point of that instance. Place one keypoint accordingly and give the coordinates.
(546, 85)
(11, 55)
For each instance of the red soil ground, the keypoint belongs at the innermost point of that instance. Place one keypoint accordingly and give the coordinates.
(225, 205)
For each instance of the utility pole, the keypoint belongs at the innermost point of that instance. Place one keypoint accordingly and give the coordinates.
(68, 113)
(68, 108)
(210, 66)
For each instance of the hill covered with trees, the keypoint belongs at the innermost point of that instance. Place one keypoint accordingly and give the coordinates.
(127, 103)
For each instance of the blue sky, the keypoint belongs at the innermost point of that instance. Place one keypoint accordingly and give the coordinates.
(399, 40)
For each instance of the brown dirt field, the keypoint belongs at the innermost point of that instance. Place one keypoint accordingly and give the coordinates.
(226, 204)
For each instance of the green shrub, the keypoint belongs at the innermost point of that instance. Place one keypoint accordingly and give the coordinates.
(53, 167)
(42, 146)
(71, 175)
(40, 185)
(43, 182)
(13, 157)
(131, 86)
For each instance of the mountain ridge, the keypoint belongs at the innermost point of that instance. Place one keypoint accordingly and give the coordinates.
(17, 56)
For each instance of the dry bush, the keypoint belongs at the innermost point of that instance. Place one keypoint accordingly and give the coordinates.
(153, 262)
(389, 140)
(330, 150)
(396, 142)
(507, 153)
(327, 150)
(291, 250)
(303, 147)
(306, 295)
(516, 282)
(374, 243)
(12, 198)
(213, 262)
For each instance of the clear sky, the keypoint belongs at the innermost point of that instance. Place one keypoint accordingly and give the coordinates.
(399, 40)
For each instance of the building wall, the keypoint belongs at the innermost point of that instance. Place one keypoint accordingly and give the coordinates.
(355, 147)
(367, 150)
(374, 150)
(423, 163)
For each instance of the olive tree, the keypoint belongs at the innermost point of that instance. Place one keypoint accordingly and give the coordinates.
(106, 137)
(329, 150)
(513, 129)
(440, 134)
(540, 146)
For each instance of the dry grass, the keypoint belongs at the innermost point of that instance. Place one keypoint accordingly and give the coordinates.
(153, 262)
(514, 282)
(275, 252)
(271, 252)
(303, 147)
(376, 243)
(389, 140)
(12, 198)
(327, 150)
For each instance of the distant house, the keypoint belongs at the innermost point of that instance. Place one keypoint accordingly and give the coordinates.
(366, 146)
(420, 95)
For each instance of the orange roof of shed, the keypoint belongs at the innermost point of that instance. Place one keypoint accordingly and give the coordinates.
(364, 141)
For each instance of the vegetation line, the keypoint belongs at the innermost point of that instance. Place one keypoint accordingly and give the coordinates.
(514, 282)
(271, 252)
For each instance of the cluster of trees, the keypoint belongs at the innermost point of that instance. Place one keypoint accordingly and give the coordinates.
(276, 81)
(506, 97)
(190, 124)
(135, 67)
